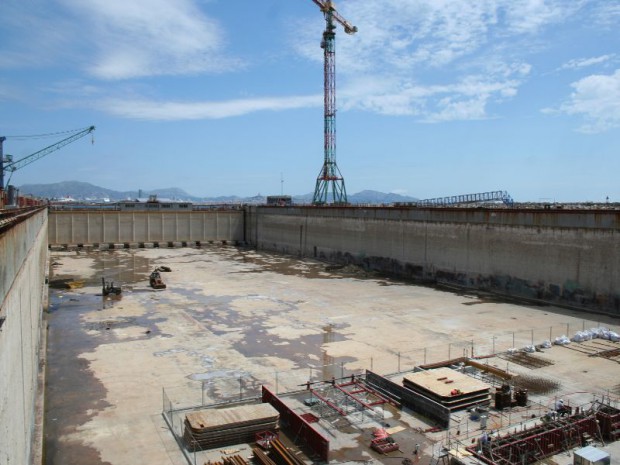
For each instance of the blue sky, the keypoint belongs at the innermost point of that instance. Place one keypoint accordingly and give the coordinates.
(222, 97)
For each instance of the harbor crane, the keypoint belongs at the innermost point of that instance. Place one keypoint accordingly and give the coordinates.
(8, 165)
(330, 179)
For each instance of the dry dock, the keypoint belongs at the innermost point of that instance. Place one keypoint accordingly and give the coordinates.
(232, 320)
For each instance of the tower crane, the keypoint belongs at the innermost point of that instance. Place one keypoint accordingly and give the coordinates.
(330, 176)
(7, 164)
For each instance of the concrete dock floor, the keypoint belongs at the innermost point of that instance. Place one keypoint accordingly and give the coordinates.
(231, 320)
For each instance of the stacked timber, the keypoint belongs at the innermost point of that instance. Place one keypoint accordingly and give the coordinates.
(212, 428)
(281, 455)
(453, 389)
(261, 457)
(234, 460)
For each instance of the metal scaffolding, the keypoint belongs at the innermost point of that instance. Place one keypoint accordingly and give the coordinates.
(353, 400)
(554, 435)
(493, 196)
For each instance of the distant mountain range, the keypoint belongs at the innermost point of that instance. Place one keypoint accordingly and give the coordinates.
(83, 191)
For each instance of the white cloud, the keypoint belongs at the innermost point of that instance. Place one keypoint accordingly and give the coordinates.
(585, 62)
(385, 66)
(530, 16)
(597, 99)
(438, 60)
(151, 37)
(169, 111)
(115, 39)
(467, 99)
(607, 14)
(403, 192)
(430, 33)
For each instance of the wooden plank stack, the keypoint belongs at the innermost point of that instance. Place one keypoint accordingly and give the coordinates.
(234, 460)
(281, 455)
(217, 427)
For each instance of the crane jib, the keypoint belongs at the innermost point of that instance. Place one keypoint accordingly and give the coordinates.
(12, 166)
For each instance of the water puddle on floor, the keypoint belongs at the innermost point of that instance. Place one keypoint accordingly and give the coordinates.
(74, 394)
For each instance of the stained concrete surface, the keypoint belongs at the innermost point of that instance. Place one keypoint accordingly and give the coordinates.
(231, 320)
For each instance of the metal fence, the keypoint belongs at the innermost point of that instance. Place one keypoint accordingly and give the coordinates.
(235, 385)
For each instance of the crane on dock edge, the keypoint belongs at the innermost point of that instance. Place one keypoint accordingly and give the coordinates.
(7, 164)
(330, 174)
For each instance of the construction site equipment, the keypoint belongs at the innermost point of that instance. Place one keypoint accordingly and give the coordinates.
(503, 397)
(7, 164)
(155, 280)
(521, 397)
(108, 288)
(330, 179)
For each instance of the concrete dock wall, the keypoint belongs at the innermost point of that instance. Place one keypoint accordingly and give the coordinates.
(100, 227)
(564, 257)
(23, 256)
(561, 256)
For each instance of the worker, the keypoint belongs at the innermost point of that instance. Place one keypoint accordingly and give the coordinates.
(561, 409)
(416, 449)
(550, 415)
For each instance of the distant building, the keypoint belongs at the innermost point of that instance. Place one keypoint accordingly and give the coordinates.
(279, 200)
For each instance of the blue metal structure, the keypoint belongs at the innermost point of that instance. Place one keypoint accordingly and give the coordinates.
(8, 165)
(494, 196)
(330, 180)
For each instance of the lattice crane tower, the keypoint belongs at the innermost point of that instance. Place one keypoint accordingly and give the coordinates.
(330, 176)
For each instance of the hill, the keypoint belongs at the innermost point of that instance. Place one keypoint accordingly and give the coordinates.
(376, 197)
(83, 191)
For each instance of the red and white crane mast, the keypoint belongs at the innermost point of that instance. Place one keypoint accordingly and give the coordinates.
(330, 180)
